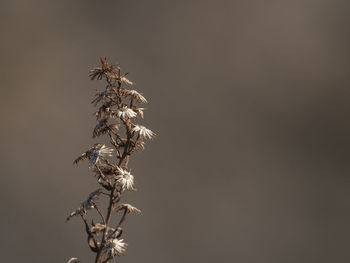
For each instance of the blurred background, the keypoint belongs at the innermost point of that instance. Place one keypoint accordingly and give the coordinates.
(250, 101)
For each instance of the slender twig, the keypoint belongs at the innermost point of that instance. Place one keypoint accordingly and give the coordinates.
(100, 213)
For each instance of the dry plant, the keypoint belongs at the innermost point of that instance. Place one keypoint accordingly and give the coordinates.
(116, 115)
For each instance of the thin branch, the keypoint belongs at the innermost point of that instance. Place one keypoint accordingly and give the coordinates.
(90, 235)
(101, 215)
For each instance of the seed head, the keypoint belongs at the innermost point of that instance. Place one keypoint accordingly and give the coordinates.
(117, 247)
(143, 132)
(129, 208)
(125, 179)
(125, 113)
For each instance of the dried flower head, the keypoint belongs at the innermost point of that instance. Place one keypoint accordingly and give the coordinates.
(139, 111)
(101, 152)
(117, 247)
(135, 95)
(125, 179)
(105, 70)
(95, 153)
(126, 113)
(129, 208)
(124, 80)
(143, 132)
(140, 146)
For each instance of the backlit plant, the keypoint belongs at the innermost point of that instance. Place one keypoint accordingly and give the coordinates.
(117, 112)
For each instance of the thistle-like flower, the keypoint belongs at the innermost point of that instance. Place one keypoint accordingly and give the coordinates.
(126, 112)
(105, 70)
(117, 247)
(124, 80)
(135, 95)
(101, 152)
(129, 208)
(143, 132)
(140, 146)
(125, 179)
(95, 153)
(139, 111)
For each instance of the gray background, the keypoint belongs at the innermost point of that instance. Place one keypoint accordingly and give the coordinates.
(251, 103)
